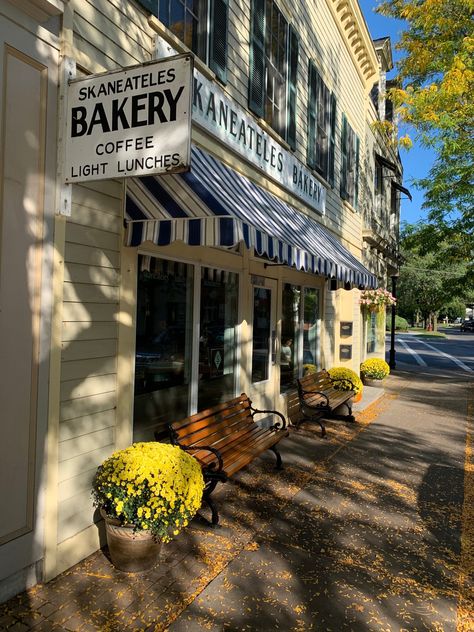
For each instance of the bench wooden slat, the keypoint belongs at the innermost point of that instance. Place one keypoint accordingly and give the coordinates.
(230, 429)
(226, 444)
(244, 458)
(319, 397)
(252, 448)
(193, 433)
(224, 407)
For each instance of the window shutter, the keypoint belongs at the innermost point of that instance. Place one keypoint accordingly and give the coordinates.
(218, 38)
(356, 173)
(332, 140)
(344, 164)
(292, 86)
(257, 58)
(312, 99)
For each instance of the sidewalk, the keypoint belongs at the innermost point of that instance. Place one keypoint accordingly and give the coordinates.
(360, 531)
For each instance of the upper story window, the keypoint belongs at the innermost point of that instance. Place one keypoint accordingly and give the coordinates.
(349, 164)
(378, 179)
(273, 69)
(200, 24)
(394, 203)
(321, 125)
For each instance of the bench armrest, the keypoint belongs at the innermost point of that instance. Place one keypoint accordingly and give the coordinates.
(302, 392)
(280, 424)
(216, 466)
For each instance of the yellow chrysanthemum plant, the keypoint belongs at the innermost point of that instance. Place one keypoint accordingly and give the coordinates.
(375, 369)
(345, 379)
(153, 486)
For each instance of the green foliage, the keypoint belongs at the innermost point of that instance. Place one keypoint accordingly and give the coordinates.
(375, 369)
(401, 324)
(454, 309)
(436, 271)
(436, 73)
(346, 379)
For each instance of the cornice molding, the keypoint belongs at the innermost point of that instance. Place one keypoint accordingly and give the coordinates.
(353, 28)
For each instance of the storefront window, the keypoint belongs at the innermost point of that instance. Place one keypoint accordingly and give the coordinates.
(371, 333)
(300, 332)
(289, 335)
(218, 336)
(163, 344)
(261, 334)
(311, 327)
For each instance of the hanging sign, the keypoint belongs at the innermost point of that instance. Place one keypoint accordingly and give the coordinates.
(131, 122)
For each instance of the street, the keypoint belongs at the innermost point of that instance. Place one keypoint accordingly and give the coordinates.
(431, 353)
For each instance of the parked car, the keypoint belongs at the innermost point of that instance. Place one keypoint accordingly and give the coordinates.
(467, 325)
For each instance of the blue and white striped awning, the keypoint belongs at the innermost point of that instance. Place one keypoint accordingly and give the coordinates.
(213, 205)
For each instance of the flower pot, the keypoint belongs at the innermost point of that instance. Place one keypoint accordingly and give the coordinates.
(372, 381)
(130, 550)
(357, 397)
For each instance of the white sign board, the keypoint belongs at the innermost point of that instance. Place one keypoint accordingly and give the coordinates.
(130, 122)
(224, 118)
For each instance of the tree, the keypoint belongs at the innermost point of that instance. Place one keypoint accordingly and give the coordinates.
(436, 97)
(430, 280)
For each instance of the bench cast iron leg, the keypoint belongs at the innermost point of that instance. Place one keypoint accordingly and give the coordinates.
(279, 464)
(317, 419)
(349, 416)
(323, 427)
(215, 515)
(210, 503)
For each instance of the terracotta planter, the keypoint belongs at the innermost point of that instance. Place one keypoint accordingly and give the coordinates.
(130, 551)
(370, 381)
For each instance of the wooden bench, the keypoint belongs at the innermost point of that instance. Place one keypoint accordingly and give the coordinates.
(226, 438)
(318, 397)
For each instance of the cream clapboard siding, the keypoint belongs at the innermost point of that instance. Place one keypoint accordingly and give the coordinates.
(111, 33)
(107, 34)
(89, 348)
(323, 44)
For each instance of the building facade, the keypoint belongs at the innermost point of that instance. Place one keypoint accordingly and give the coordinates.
(128, 302)
(382, 186)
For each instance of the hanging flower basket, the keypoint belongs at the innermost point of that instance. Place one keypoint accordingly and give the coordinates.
(376, 300)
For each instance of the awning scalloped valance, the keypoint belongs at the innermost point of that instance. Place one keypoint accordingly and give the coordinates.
(214, 205)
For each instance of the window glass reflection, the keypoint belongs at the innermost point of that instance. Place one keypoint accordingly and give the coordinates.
(261, 334)
(311, 327)
(289, 335)
(163, 344)
(218, 336)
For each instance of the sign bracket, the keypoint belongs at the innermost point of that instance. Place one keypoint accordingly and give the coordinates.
(64, 190)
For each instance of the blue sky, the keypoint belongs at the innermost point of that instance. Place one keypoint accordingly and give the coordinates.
(417, 161)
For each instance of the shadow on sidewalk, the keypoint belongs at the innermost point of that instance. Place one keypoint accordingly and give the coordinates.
(351, 535)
